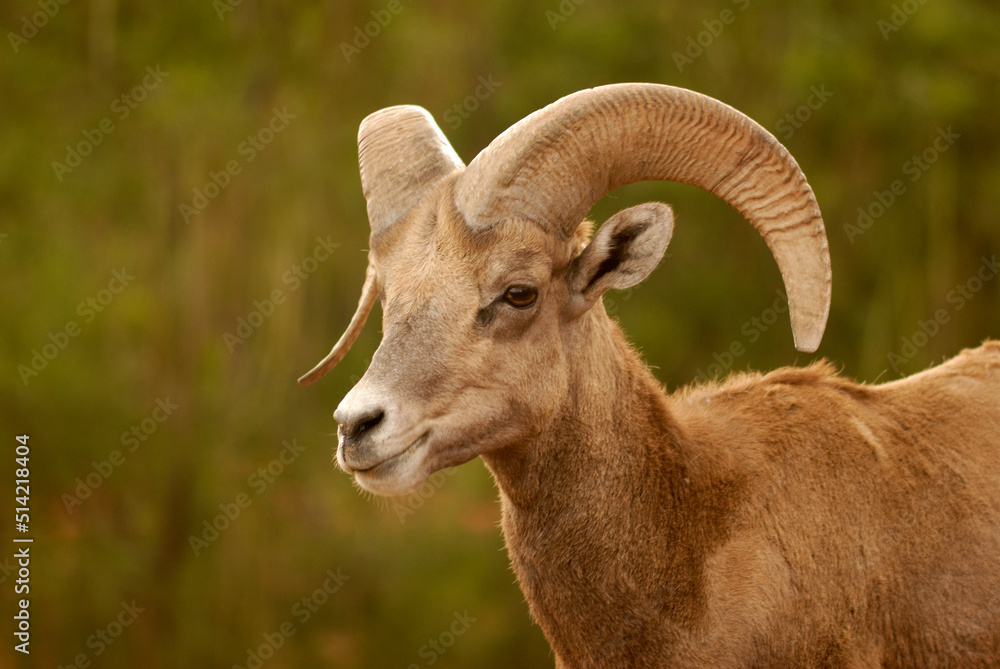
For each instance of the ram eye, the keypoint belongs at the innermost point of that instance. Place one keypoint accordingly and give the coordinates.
(521, 297)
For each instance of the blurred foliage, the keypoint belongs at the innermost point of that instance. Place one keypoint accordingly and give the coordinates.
(229, 65)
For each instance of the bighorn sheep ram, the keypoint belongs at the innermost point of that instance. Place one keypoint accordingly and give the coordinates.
(793, 519)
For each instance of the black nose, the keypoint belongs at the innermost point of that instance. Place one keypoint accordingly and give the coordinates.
(353, 427)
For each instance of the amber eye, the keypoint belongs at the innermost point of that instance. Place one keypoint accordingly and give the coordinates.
(521, 297)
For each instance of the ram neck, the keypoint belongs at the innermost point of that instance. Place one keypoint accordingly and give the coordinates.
(604, 473)
(613, 417)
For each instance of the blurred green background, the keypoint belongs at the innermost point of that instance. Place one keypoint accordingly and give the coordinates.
(206, 149)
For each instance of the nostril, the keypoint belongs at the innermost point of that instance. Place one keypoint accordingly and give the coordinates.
(370, 422)
(356, 426)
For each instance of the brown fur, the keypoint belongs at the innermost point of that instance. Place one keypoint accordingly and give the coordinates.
(793, 519)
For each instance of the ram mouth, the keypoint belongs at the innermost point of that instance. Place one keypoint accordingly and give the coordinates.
(389, 463)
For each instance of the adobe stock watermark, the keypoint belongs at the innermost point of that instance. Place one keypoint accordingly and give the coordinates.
(561, 13)
(132, 439)
(224, 7)
(695, 45)
(929, 498)
(7, 569)
(248, 149)
(409, 505)
(121, 107)
(901, 13)
(30, 25)
(432, 651)
(614, 301)
(302, 611)
(461, 110)
(363, 36)
(229, 512)
(914, 168)
(922, 504)
(752, 329)
(102, 638)
(957, 297)
(293, 277)
(804, 112)
(58, 341)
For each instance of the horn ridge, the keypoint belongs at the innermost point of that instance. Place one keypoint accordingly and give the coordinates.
(554, 165)
(402, 153)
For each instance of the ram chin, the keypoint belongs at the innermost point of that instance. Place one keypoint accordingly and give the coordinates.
(400, 474)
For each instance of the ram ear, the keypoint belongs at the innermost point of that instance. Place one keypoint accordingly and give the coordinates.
(622, 253)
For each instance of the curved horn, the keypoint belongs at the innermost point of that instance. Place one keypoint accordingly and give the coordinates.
(402, 153)
(369, 293)
(555, 164)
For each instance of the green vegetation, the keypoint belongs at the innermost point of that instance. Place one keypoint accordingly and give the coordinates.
(182, 233)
